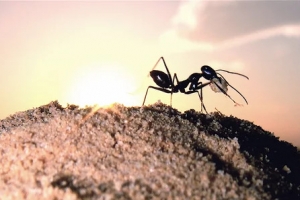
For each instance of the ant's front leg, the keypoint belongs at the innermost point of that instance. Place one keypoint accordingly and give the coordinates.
(222, 88)
(198, 86)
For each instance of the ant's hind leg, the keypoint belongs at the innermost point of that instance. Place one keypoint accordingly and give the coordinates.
(145, 96)
(165, 64)
(156, 88)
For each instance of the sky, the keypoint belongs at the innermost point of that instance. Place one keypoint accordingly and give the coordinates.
(101, 52)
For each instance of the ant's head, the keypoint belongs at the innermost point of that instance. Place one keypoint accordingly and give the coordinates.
(208, 72)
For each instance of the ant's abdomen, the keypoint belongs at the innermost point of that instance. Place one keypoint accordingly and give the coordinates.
(160, 78)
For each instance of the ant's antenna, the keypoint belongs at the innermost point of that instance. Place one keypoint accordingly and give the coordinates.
(232, 86)
(232, 73)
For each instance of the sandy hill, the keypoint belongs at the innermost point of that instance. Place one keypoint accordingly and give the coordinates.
(154, 152)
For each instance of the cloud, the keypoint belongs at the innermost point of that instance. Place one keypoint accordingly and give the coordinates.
(187, 14)
(290, 31)
(210, 25)
(170, 41)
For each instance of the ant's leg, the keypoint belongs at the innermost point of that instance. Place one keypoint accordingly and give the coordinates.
(169, 75)
(223, 91)
(170, 78)
(173, 79)
(234, 87)
(162, 58)
(200, 97)
(200, 86)
(171, 99)
(156, 64)
(180, 85)
(156, 88)
(173, 86)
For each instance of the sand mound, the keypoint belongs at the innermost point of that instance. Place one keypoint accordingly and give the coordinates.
(152, 152)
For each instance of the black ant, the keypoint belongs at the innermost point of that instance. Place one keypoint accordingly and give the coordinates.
(166, 82)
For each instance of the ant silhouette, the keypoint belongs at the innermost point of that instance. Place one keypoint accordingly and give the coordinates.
(166, 82)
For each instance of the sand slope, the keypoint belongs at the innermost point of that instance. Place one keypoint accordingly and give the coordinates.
(152, 152)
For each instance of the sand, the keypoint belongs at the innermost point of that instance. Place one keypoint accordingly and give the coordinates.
(153, 152)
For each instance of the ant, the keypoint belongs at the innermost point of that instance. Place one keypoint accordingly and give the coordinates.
(166, 82)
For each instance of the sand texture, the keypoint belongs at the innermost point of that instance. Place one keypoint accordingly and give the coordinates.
(153, 152)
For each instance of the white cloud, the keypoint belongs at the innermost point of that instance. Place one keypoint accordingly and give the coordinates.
(199, 25)
(187, 14)
(171, 41)
(289, 31)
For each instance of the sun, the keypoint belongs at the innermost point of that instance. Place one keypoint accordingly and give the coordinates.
(102, 85)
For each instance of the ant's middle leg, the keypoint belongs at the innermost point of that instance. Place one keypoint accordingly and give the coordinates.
(200, 97)
(178, 86)
(174, 87)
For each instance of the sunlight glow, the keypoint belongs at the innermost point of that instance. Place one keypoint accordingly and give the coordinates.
(102, 85)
